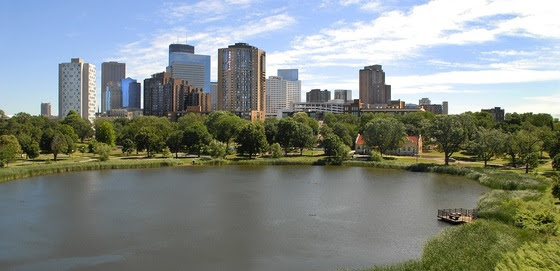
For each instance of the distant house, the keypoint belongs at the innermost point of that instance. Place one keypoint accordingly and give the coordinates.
(411, 146)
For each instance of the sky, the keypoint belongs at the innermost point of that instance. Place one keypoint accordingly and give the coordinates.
(474, 54)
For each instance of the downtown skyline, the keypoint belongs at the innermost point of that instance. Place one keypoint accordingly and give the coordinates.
(474, 54)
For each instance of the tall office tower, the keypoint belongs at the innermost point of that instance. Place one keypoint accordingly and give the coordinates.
(424, 101)
(184, 64)
(214, 95)
(241, 81)
(280, 94)
(372, 86)
(110, 72)
(289, 74)
(76, 89)
(343, 94)
(445, 106)
(46, 109)
(318, 96)
(164, 95)
(130, 90)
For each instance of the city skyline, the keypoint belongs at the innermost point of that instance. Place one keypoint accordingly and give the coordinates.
(474, 54)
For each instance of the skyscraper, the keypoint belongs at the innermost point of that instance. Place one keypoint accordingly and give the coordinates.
(241, 81)
(343, 94)
(372, 86)
(46, 109)
(318, 96)
(280, 94)
(289, 74)
(130, 90)
(214, 95)
(165, 95)
(111, 73)
(184, 64)
(76, 89)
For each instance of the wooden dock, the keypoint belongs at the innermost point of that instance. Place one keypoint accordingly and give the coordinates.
(457, 216)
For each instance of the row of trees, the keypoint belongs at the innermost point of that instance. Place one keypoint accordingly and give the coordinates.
(522, 137)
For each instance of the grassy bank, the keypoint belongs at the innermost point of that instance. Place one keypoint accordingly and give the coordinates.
(13, 173)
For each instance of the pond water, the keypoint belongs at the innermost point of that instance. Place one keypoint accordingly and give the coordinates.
(218, 218)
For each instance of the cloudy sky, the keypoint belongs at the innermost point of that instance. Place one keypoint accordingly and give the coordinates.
(475, 54)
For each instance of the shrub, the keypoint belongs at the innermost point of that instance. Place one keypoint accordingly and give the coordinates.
(504, 205)
(375, 156)
(217, 149)
(103, 150)
(556, 187)
(538, 217)
(276, 150)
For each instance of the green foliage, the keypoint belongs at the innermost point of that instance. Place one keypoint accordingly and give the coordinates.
(59, 144)
(165, 153)
(286, 129)
(556, 187)
(103, 150)
(504, 205)
(384, 133)
(342, 132)
(276, 150)
(449, 132)
(148, 139)
(105, 133)
(375, 156)
(556, 162)
(82, 149)
(127, 146)
(302, 137)
(335, 149)
(538, 217)
(175, 142)
(196, 137)
(9, 149)
(474, 246)
(528, 144)
(271, 129)
(532, 256)
(251, 139)
(217, 149)
(29, 146)
(224, 126)
(488, 143)
(81, 127)
(410, 265)
(303, 118)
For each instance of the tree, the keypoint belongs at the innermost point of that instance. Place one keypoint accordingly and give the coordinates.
(286, 130)
(303, 137)
(148, 139)
(252, 140)
(103, 150)
(556, 187)
(224, 126)
(9, 149)
(59, 144)
(276, 150)
(271, 129)
(335, 148)
(528, 144)
(342, 132)
(302, 117)
(82, 149)
(127, 146)
(81, 126)
(175, 142)
(384, 133)
(217, 149)
(489, 143)
(556, 162)
(196, 137)
(449, 134)
(29, 146)
(105, 133)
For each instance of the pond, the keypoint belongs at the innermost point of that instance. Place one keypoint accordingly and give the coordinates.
(218, 218)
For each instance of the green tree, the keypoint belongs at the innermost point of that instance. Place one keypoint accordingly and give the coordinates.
(384, 133)
(224, 126)
(303, 137)
(59, 144)
(271, 129)
(252, 140)
(103, 150)
(556, 187)
(511, 148)
(9, 149)
(127, 146)
(82, 149)
(175, 142)
(529, 146)
(302, 117)
(81, 126)
(286, 130)
(148, 139)
(489, 143)
(449, 134)
(335, 148)
(342, 132)
(414, 123)
(217, 149)
(105, 133)
(276, 150)
(196, 137)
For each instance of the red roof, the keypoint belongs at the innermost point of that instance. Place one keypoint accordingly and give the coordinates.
(413, 139)
(360, 140)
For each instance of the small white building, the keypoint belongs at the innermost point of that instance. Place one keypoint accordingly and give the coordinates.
(411, 146)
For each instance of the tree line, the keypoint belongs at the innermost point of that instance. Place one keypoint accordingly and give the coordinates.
(523, 138)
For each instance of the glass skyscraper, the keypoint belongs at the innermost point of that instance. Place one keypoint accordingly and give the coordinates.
(130, 93)
(289, 74)
(184, 64)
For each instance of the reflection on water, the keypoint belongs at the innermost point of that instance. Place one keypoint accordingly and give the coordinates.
(216, 218)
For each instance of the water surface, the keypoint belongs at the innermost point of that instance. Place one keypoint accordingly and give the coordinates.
(224, 218)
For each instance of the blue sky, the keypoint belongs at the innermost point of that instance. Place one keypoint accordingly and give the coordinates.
(475, 54)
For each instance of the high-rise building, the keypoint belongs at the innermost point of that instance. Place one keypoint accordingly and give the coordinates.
(46, 109)
(241, 81)
(184, 64)
(166, 96)
(373, 89)
(281, 94)
(130, 90)
(445, 106)
(289, 74)
(111, 73)
(498, 113)
(214, 95)
(76, 89)
(113, 95)
(343, 94)
(318, 96)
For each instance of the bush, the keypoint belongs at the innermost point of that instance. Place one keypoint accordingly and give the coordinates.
(276, 150)
(103, 150)
(504, 205)
(165, 153)
(375, 156)
(556, 187)
(217, 149)
(538, 217)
